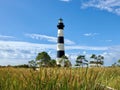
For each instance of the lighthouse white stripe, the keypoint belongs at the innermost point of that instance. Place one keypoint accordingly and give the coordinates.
(60, 32)
(60, 46)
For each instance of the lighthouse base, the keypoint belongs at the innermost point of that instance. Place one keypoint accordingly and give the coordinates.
(59, 62)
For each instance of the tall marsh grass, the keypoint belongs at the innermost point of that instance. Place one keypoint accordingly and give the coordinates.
(59, 79)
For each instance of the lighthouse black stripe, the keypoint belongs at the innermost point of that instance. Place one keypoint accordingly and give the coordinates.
(60, 26)
(60, 39)
(60, 54)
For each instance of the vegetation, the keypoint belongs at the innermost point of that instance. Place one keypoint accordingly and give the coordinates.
(119, 62)
(52, 63)
(59, 79)
(25, 77)
(32, 64)
(65, 62)
(116, 64)
(43, 59)
(98, 60)
(81, 60)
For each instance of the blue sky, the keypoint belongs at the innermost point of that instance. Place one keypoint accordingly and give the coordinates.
(29, 26)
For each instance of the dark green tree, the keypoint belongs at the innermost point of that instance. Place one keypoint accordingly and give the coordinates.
(97, 59)
(52, 63)
(43, 59)
(32, 64)
(81, 60)
(93, 56)
(118, 62)
(65, 61)
(100, 59)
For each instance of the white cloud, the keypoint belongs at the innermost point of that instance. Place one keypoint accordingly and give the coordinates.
(15, 52)
(112, 55)
(65, 0)
(6, 37)
(86, 48)
(69, 42)
(108, 5)
(48, 38)
(109, 40)
(90, 34)
(42, 37)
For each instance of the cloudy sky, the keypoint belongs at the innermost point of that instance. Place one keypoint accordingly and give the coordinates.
(28, 27)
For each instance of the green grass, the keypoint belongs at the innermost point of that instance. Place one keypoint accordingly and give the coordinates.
(59, 79)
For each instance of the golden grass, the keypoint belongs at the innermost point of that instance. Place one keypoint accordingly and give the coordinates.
(59, 78)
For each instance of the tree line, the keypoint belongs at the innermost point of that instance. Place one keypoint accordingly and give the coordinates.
(96, 61)
(116, 64)
(44, 60)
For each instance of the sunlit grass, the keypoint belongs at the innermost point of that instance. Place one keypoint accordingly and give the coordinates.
(59, 78)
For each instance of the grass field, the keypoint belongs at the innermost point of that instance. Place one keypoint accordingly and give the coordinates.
(59, 79)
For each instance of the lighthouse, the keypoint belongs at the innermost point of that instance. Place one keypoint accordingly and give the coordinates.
(60, 41)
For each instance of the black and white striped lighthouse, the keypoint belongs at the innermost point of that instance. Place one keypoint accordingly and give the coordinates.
(60, 41)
